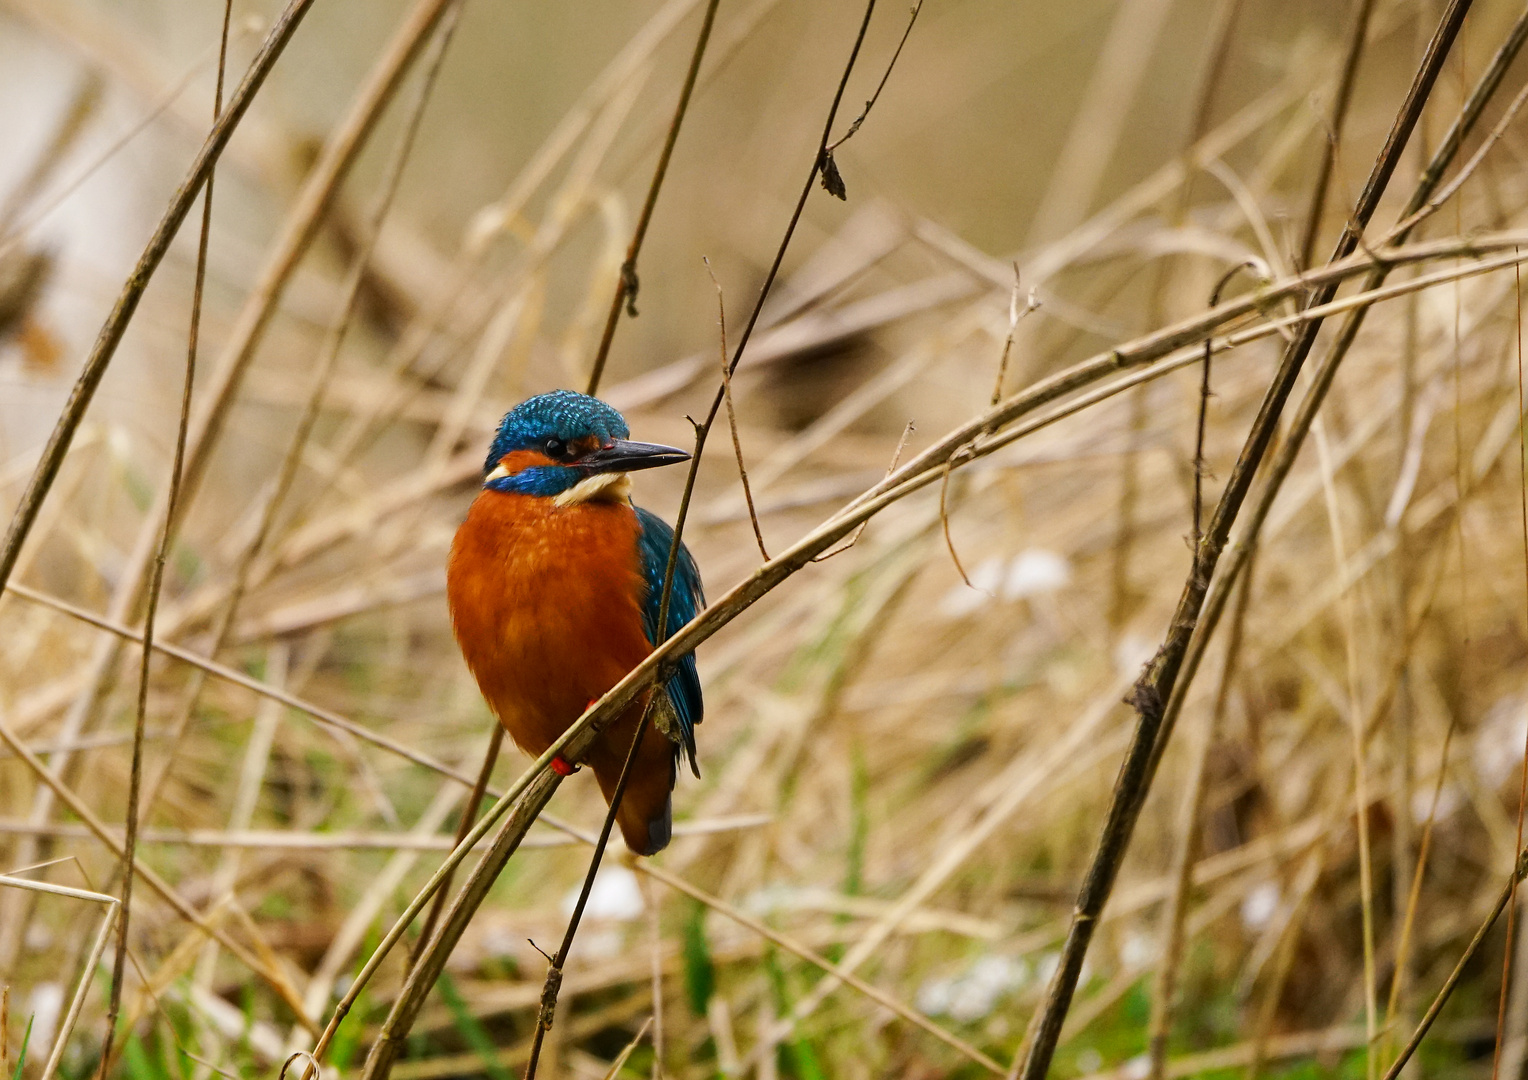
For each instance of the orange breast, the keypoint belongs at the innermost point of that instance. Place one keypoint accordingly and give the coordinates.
(546, 606)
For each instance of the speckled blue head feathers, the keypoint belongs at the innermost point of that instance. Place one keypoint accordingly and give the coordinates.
(563, 439)
(561, 417)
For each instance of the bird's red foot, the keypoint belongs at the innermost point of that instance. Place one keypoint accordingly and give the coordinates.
(560, 764)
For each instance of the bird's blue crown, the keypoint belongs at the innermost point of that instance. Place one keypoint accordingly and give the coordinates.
(560, 414)
(549, 424)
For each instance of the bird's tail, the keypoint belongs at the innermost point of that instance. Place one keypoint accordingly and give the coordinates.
(646, 813)
(647, 830)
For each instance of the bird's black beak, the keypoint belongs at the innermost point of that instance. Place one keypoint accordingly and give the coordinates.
(626, 456)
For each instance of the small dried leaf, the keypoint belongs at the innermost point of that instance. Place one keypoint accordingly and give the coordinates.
(832, 179)
(630, 280)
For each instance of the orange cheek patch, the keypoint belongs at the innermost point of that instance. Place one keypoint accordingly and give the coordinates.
(520, 460)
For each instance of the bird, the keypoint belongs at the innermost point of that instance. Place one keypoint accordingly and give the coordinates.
(554, 584)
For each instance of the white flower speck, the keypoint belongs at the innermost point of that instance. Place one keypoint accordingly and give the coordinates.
(1035, 572)
(1259, 905)
(615, 895)
(47, 1002)
(972, 996)
(1133, 652)
(963, 599)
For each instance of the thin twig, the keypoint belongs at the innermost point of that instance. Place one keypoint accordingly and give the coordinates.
(1176, 913)
(463, 827)
(1014, 315)
(737, 442)
(1522, 791)
(1204, 405)
(547, 1011)
(1340, 104)
(626, 287)
(944, 520)
(896, 456)
(1447, 990)
(860, 119)
(156, 578)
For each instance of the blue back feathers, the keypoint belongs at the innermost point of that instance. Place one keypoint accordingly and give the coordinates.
(685, 600)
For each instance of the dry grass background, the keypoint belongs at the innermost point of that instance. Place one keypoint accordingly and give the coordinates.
(903, 772)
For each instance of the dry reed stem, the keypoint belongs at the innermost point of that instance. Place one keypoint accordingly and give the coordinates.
(737, 440)
(1187, 853)
(1360, 763)
(77, 1000)
(1157, 682)
(271, 975)
(1017, 487)
(156, 574)
(116, 324)
(1449, 984)
(257, 686)
(1508, 953)
(300, 229)
(1284, 459)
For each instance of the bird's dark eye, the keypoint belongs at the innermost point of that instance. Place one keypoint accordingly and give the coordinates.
(555, 449)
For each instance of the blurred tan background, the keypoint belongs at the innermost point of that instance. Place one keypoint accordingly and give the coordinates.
(903, 770)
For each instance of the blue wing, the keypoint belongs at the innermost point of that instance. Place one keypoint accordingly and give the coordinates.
(686, 599)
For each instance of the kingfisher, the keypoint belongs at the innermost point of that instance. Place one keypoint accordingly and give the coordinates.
(554, 585)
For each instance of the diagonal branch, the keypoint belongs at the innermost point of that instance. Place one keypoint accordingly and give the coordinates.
(1156, 684)
(132, 292)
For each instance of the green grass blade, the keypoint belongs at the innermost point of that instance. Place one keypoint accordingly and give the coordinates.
(26, 1039)
(699, 971)
(472, 1032)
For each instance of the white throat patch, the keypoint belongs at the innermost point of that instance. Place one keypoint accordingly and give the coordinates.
(601, 487)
